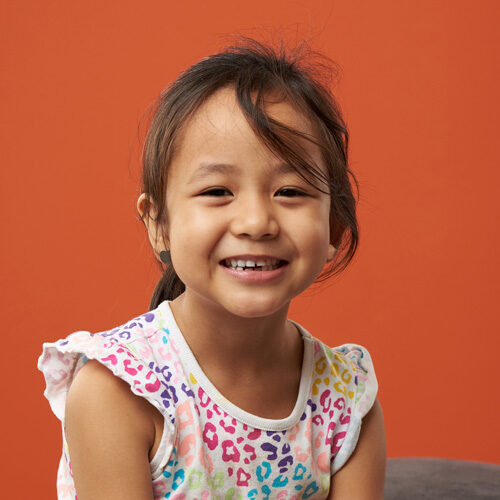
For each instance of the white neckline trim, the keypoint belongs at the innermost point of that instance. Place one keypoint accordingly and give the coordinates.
(226, 405)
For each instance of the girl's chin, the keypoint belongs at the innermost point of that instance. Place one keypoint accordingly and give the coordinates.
(249, 306)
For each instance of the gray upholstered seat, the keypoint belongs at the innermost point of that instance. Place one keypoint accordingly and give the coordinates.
(439, 478)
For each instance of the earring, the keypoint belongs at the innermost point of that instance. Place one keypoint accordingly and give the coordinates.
(165, 256)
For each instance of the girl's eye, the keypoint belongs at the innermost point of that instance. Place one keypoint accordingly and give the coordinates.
(217, 192)
(292, 193)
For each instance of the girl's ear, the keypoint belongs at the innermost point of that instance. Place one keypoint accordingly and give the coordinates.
(149, 216)
(331, 252)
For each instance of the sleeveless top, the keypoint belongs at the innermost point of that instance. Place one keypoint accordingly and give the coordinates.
(210, 448)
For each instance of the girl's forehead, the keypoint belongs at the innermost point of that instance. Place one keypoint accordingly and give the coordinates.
(220, 123)
(222, 108)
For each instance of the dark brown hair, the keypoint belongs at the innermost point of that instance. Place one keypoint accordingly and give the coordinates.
(255, 70)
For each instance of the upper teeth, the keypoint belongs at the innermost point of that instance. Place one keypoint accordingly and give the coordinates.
(252, 263)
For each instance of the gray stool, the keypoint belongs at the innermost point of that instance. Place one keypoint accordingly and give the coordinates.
(441, 478)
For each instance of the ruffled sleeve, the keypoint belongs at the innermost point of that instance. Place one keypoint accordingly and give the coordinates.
(364, 387)
(60, 362)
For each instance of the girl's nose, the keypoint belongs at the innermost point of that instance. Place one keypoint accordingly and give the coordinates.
(254, 218)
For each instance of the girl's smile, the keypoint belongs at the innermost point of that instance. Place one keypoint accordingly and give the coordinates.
(254, 268)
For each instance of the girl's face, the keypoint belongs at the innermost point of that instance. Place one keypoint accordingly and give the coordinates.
(229, 196)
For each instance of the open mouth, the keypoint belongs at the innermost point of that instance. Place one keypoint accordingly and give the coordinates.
(239, 265)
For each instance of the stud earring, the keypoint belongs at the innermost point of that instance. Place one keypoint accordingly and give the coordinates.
(165, 256)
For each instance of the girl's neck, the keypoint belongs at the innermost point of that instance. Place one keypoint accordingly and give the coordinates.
(246, 347)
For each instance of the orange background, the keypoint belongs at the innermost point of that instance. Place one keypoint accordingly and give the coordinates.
(420, 95)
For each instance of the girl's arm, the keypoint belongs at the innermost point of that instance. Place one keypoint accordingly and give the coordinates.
(362, 476)
(109, 433)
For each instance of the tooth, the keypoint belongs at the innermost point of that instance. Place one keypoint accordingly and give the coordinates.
(264, 265)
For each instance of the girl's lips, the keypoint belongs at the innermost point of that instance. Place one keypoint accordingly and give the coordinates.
(256, 276)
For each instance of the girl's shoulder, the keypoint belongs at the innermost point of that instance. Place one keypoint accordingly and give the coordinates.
(124, 350)
(348, 366)
(344, 380)
(349, 370)
(355, 358)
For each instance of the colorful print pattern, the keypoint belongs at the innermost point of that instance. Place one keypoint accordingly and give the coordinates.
(211, 449)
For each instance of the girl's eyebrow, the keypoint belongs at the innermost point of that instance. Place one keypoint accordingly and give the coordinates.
(207, 169)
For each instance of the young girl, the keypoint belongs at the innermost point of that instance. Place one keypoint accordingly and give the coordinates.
(214, 393)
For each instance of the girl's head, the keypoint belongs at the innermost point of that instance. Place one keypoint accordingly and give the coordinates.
(247, 155)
